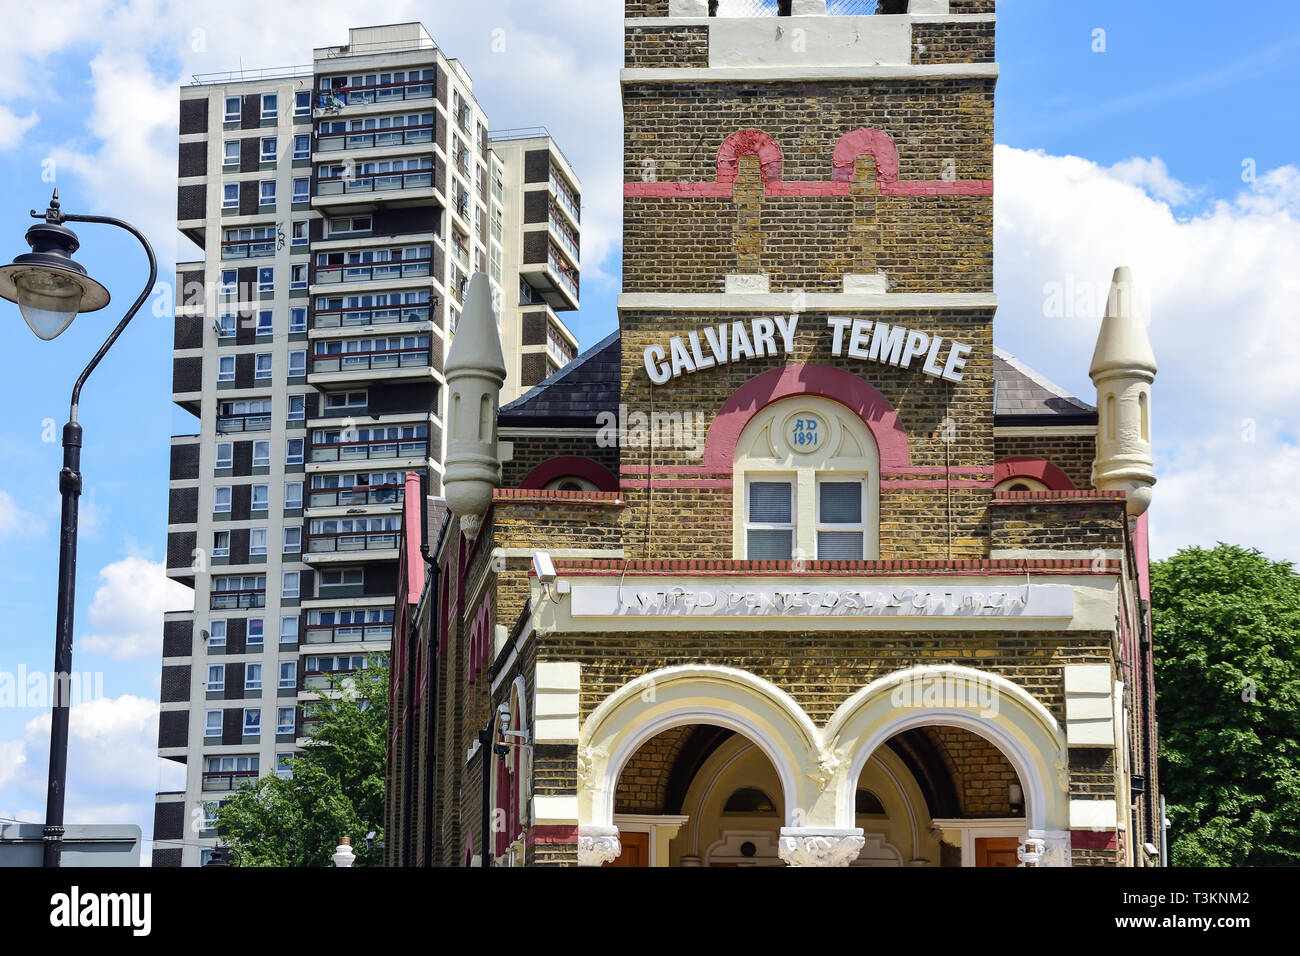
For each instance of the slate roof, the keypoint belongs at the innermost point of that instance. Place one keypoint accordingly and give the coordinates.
(573, 396)
(1022, 396)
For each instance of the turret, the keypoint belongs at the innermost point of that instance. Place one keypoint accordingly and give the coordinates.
(1123, 368)
(475, 373)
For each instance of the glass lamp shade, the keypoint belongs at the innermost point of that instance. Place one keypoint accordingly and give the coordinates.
(49, 300)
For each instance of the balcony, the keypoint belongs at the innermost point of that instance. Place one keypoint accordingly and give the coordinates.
(247, 248)
(554, 281)
(350, 545)
(348, 633)
(565, 198)
(365, 191)
(362, 366)
(377, 450)
(228, 779)
(373, 272)
(236, 600)
(356, 318)
(234, 424)
(331, 102)
(375, 139)
(560, 232)
(359, 495)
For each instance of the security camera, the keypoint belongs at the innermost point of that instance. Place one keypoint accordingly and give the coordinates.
(544, 567)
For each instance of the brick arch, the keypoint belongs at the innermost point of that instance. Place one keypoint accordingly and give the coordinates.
(749, 142)
(566, 465)
(824, 381)
(873, 142)
(1039, 469)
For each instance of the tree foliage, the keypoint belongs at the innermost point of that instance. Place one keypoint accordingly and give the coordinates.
(336, 788)
(1227, 660)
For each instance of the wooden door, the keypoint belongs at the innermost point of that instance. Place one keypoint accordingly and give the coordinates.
(997, 851)
(636, 850)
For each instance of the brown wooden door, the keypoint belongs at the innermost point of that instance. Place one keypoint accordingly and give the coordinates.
(636, 850)
(996, 851)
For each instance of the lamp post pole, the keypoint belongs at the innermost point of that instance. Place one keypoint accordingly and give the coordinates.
(70, 484)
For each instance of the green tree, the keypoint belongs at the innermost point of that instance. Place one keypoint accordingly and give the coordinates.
(336, 787)
(1227, 661)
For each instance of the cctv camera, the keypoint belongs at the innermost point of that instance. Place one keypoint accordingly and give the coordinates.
(543, 567)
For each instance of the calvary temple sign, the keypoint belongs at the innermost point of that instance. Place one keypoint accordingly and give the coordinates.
(894, 345)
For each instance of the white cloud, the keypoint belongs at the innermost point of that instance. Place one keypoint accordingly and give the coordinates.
(12, 126)
(126, 615)
(112, 750)
(1224, 291)
(1153, 176)
(12, 757)
(13, 519)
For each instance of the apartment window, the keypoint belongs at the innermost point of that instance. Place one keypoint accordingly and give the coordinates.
(265, 322)
(293, 540)
(292, 495)
(289, 584)
(345, 400)
(297, 321)
(221, 544)
(257, 541)
(769, 520)
(226, 326)
(212, 723)
(252, 715)
(266, 279)
(209, 815)
(352, 224)
(229, 282)
(230, 153)
(298, 275)
(284, 720)
(302, 147)
(216, 677)
(270, 105)
(284, 766)
(302, 190)
(297, 408)
(289, 669)
(352, 577)
(225, 454)
(266, 192)
(288, 631)
(256, 631)
(302, 103)
(234, 107)
(268, 149)
(293, 451)
(216, 633)
(221, 499)
(226, 368)
(230, 196)
(297, 363)
(300, 232)
(262, 365)
(261, 454)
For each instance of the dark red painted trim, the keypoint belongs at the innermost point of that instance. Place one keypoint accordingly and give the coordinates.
(570, 465)
(553, 833)
(1039, 469)
(1094, 839)
(823, 381)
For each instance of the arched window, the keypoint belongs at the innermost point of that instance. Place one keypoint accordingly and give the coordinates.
(749, 800)
(807, 484)
(864, 801)
(570, 483)
(1021, 483)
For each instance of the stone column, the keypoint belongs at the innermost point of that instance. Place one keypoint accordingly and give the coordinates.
(820, 846)
(1044, 848)
(598, 845)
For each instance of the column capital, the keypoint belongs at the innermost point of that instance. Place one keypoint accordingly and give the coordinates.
(820, 846)
(1044, 848)
(598, 845)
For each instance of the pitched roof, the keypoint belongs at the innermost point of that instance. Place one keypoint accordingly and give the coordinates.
(573, 396)
(1022, 396)
(588, 385)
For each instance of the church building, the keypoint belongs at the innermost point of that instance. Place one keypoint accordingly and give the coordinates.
(797, 567)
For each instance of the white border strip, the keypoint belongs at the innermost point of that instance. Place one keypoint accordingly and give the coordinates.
(749, 74)
(809, 301)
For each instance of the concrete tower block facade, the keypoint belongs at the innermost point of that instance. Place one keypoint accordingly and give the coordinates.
(476, 370)
(1123, 368)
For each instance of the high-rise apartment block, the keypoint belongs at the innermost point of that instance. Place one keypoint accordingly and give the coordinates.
(340, 210)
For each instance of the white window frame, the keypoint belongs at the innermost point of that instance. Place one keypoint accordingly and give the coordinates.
(207, 724)
(774, 477)
(217, 550)
(304, 140)
(215, 639)
(227, 202)
(297, 363)
(239, 109)
(263, 460)
(262, 150)
(289, 631)
(254, 536)
(252, 682)
(263, 365)
(269, 284)
(256, 723)
(837, 477)
(288, 590)
(294, 325)
(225, 368)
(301, 190)
(293, 674)
(280, 726)
(220, 507)
(263, 192)
(267, 328)
(298, 275)
(300, 226)
(226, 159)
(300, 414)
(292, 541)
(298, 108)
(228, 447)
(290, 458)
(274, 111)
(255, 640)
(290, 498)
(226, 326)
(220, 682)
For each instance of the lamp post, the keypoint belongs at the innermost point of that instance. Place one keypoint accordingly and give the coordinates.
(50, 289)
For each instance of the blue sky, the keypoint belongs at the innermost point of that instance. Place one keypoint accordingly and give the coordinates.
(1134, 155)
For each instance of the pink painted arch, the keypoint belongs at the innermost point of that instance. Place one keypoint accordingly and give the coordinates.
(823, 381)
(1039, 469)
(570, 465)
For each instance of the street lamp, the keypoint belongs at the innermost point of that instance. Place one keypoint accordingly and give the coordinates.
(51, 289)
